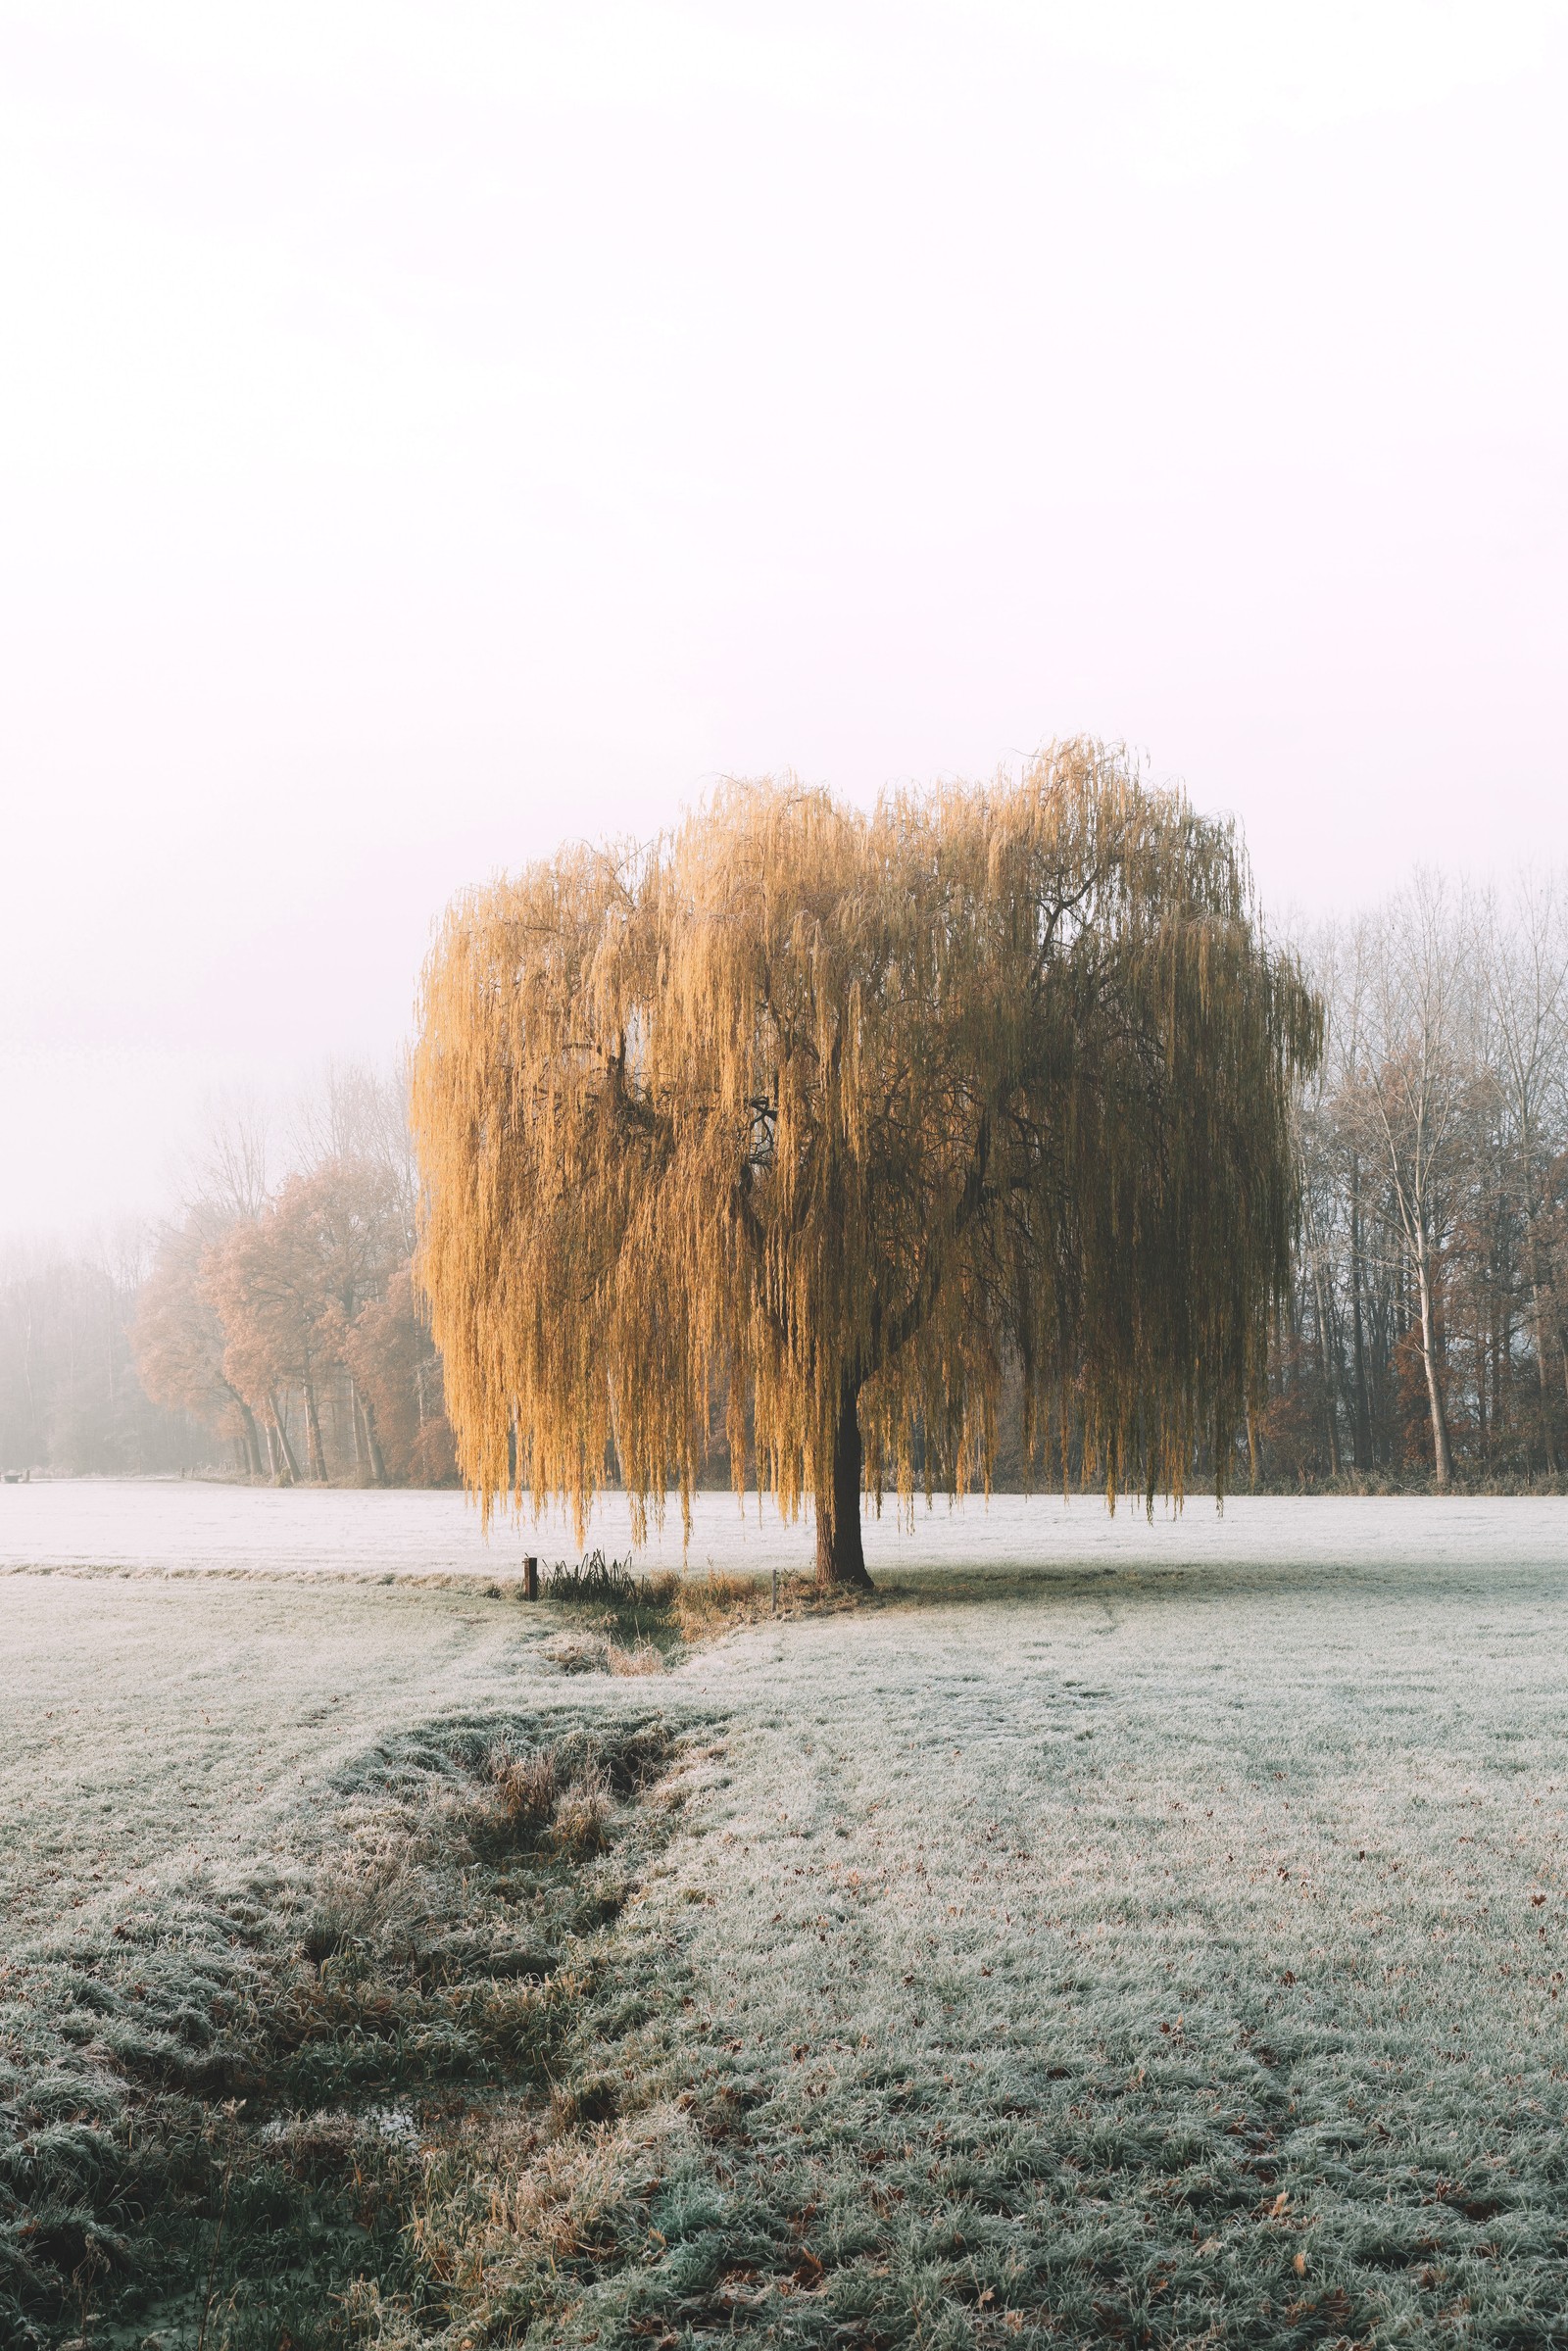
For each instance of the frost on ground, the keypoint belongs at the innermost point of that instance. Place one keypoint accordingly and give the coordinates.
(1129, 1954)
(300, 1891)
(164, 1524)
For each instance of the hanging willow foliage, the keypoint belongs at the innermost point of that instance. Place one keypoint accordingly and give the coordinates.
(821, 1115)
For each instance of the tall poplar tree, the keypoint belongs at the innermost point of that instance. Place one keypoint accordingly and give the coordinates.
(827, 1114)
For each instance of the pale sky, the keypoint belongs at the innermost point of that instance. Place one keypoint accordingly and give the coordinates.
(430, 432)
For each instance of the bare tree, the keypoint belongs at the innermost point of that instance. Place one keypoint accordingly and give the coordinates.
(1412, 1097)
(229, 1171)
(359, 1117)
(1523, 957)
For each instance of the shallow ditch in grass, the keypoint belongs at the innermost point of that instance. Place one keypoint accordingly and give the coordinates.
(1050, 1972)
(381, 2076)
(267, 2114)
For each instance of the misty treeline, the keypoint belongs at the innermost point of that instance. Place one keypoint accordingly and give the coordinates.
(1426, 1337)
(271, 1329)
(69, 1399)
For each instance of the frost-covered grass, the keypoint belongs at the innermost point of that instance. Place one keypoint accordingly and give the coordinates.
(155, 1723)
(297, 1882)
(1179, 1954)
(171, 1524)
(1136, 1953)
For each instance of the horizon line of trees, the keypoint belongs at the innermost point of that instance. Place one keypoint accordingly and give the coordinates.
(272, 1329)
(1426, 1336)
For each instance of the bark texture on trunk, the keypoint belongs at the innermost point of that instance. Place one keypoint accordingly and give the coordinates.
(285, 1469)
(1363, 1400)
(840, 1555)
(372, 1442)
(1326, 1372)
(1542, 1373)
(1441, 1459)
(313, 1434)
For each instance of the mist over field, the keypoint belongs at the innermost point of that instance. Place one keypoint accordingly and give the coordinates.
(783, 1176)
(428, 443)
(427, 439)
(425, 445)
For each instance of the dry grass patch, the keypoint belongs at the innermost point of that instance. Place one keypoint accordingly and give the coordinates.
(225, 2109)
(631, 1623)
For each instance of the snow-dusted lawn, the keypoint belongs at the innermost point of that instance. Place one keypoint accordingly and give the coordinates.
(170, 1525)
(1066, 1932)
(151, 1726)
(1109, 1928)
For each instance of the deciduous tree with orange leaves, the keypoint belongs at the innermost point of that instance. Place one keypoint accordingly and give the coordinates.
(179, 1341)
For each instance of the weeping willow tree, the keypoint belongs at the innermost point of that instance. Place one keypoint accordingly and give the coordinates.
(817, 1117)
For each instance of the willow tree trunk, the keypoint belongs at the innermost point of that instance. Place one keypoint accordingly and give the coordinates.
(840, 1557)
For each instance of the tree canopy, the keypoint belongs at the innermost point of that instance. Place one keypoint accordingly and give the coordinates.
(823, 1115)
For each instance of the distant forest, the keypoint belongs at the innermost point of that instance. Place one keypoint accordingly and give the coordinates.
(1426, 1336)
(272, 1331)
(269, 1332)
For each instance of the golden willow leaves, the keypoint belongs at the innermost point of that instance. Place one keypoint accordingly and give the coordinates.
(824, 1114)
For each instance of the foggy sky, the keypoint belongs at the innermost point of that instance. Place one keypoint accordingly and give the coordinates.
(430, 431)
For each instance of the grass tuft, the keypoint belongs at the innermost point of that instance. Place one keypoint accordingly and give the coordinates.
(642, 1623)
(593, 1581)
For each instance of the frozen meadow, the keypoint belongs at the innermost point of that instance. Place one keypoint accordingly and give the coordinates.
(1114, 1932)
(164, 1524)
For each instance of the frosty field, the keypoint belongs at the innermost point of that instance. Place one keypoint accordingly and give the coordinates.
(1112, 1934)
(176, 1525)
